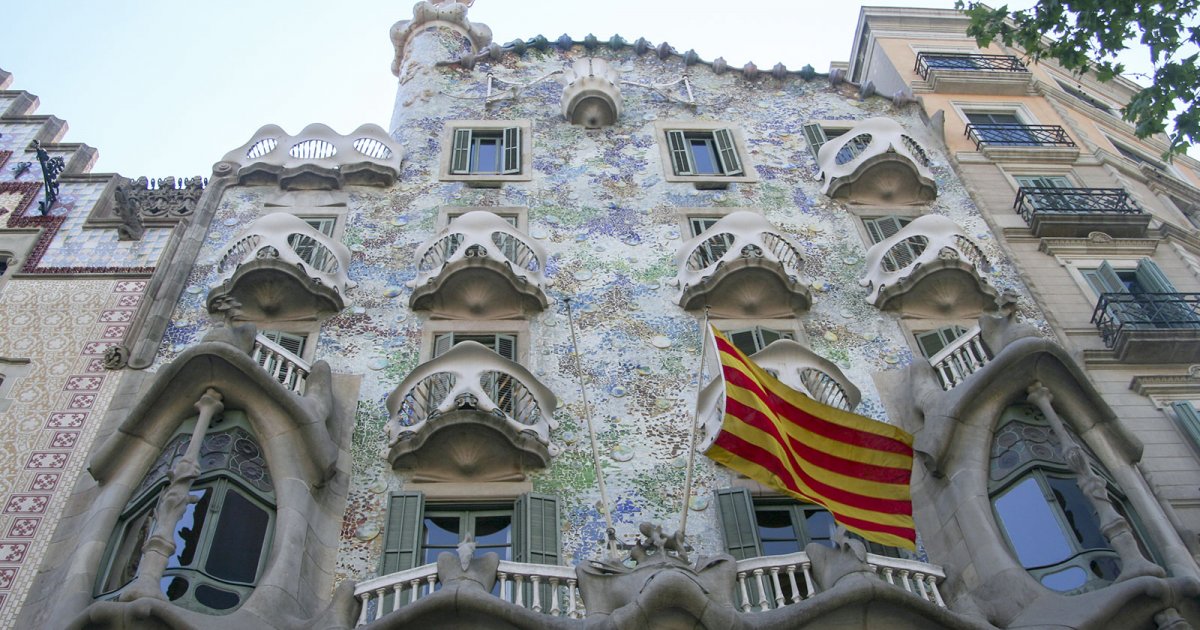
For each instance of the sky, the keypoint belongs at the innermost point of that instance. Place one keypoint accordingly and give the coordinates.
(165, 88)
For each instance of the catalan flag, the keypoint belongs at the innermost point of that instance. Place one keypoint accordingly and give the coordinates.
(857, 468)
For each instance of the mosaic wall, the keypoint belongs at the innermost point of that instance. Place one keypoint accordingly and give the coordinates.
(599, 205)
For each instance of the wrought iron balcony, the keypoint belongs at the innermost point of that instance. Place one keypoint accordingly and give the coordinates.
(283, 365)
(480, 267)
(1080, 211)
(1150, 327)
(762, 583)
(281, 267)
(928, 268)
(960, 358)
(1012, 135)
(481, 396)
(929, 61)
(742, 267)
(806, 371)
(876, 162)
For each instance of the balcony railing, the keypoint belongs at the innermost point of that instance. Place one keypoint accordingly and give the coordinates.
(961, 358)
(762, 583)
(470, 376)
(927, 62)
(1121, 312)
(802, 369)
(1031, 201)
(861, 164)
(1018, 135)
(294, 243)
(281, 364)
(913, 248)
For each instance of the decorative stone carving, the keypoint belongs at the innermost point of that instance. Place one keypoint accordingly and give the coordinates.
(280, 267)
(592, 96)
(845, 560)
(806, 371)
(876, 162)
(128, 210)
(929, 268)
(742, 266)
(466, 571)
(480, 267)
(318, 158)
(470, 415)
(438, 13)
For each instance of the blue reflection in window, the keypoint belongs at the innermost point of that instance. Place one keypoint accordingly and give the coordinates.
(1033, 529)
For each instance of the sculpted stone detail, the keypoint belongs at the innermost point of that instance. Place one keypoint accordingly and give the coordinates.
(876, 162)
(318, 158)
(465, 570)
(443, 13)
(592, 96)
(116, 357)
(128, 210)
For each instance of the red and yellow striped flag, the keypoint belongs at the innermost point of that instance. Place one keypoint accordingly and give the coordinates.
(857, 468)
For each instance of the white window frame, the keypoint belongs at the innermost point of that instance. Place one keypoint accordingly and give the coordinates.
(519, 329)
(663, 130)
(446, 214)
(790, 326)
(522, 128)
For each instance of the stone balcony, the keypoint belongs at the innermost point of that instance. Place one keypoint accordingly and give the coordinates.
(318, 158)
(930, 268)
(480, 267)
(804, 370)
(281, 268)
(470, 415)
(876, 162)
(1076, 212)
(742, 266)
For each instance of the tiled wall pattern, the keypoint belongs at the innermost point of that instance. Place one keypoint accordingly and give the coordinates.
(64, 327)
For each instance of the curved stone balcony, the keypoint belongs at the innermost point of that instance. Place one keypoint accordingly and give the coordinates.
(281, 268)
(592, 96)
(930, 268)
(742, 267)
(470, 415)
(876, 162)
(480, 267)
(806, 371)
(318, 158)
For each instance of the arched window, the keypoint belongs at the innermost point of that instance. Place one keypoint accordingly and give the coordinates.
(1049, 522)
(223, 538)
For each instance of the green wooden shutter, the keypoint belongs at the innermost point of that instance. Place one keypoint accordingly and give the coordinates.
(460, 158)
(815, 135)
(512, 150)
(442, 344)
(681, 155)
(1043, 181)
(727, 152)
(536, 524)
(402, 533)
(737, 523)
(1105, 279)
(1151, 279)
(1189, 419)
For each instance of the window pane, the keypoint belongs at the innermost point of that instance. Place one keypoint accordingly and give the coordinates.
(493, 530)
(238, 544)
(215, 598)
(1081, 517)
(1032, 527)
(744, 340)
(819, 526)
(441, 530)
(190, 528)
(486, 155)
(1068, 579)
(704, 156)
(129, 554)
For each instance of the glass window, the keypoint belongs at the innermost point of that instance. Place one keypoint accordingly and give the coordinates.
(704, 152)
(443, 529)
(495, 151)
(752, 340)
(934, 341)
(503, 344)
(323, 225)
(1001, 128)
(788, 526)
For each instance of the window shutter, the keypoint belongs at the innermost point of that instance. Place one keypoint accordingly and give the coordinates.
(1189, 419)
(737, 523)
(815, 136)
(727, 152)
(681, 156)
(1151, 279)
(536, 526)
(1046, 181)
(512, 150)
(442, 344)
(884, 227)
(506, 346)
(460, 158)
(1106, 280)
(402, 534)
(768, 336)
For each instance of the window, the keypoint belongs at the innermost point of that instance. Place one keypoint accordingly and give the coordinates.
(1137, 157)
(1142, 296)
(703, 152)
(223, 538)
(934, 341)
(323, 225)
(716, 246)
(1047, 520)
(486, 152)
(752, 340)
(817, 135)
(1043, 181)
(1188, 420)
(503, 344)
(901, 254)
(1001, 128)
(416, 531)
(1083, 96)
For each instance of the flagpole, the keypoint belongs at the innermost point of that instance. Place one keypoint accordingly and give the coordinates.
(691, 464)
(587, 416)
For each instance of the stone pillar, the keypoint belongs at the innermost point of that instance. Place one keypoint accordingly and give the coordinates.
(1115, 528)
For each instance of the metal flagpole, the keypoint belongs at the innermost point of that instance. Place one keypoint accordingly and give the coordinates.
(691, 464)
(587, 416)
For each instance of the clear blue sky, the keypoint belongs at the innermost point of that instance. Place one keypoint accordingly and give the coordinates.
(164, 88)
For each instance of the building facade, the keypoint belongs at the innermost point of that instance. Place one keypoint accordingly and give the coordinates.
(447, 373)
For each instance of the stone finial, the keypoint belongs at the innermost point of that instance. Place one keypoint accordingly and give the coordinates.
(848, 557)
(128, 210)
(449, 14)
(592, 95)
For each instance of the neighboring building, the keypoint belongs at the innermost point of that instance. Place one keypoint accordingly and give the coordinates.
(367, 349)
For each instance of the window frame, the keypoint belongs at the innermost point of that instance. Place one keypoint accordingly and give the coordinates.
(518, 329)
(454, 130)
(667, 130)
(518, 214)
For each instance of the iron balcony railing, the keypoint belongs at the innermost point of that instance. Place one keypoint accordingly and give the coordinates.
(1009, 134)
(1117, 312)
(927, 62)
(1031, 201)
